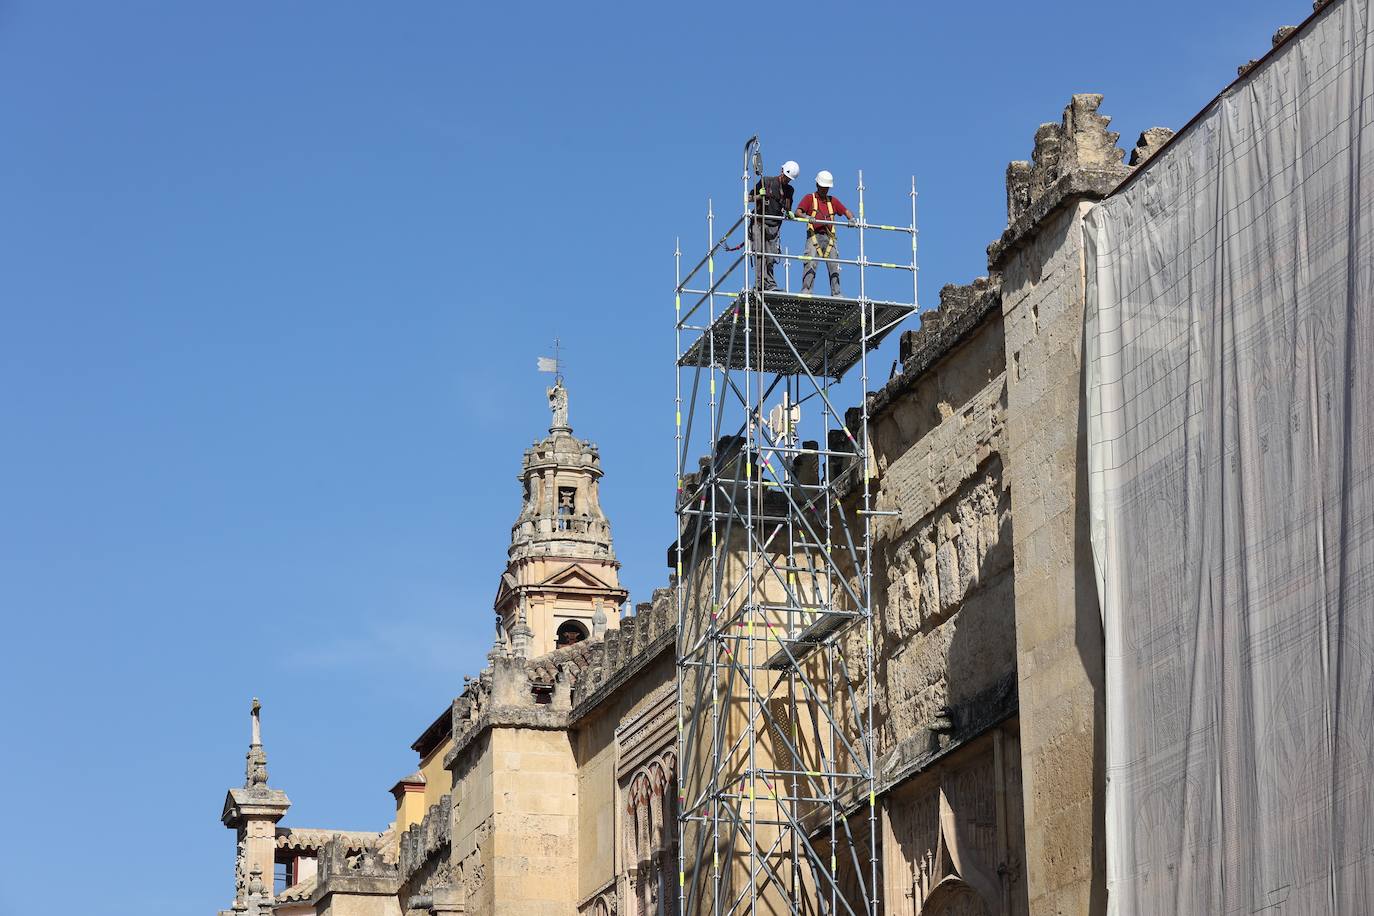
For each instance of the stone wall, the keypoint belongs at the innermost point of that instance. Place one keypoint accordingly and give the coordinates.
(355, 884)
(943, 595)
(1058, 626)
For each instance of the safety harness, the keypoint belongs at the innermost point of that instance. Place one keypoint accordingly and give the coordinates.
(829, 231)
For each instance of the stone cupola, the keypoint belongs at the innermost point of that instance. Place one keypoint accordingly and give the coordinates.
(561, 582)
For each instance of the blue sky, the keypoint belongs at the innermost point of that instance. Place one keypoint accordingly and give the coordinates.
(273, 278)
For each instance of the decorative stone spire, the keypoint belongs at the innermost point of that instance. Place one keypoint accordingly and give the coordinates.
(256, 769)
(252, 813)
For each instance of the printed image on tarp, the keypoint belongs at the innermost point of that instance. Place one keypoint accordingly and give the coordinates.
(1229, 351)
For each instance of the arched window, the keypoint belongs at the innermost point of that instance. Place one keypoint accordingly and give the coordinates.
(567, 507)
(570, 632)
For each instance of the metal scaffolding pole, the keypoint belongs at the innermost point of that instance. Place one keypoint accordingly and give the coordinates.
(776, 751)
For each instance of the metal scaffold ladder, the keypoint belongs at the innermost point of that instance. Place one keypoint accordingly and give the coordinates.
(776, 750)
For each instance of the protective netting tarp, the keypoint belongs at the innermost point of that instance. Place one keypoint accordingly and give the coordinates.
(1231, 429)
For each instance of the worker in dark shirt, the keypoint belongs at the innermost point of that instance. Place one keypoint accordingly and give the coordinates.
(822, 211)
(772, 199)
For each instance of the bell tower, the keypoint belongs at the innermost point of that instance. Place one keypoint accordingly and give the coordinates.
(561, 583)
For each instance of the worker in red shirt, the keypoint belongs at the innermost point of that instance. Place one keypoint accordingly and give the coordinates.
(821, 211)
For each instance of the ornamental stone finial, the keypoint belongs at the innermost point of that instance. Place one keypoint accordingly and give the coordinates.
(255, 770)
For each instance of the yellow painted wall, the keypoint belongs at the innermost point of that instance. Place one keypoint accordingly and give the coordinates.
(438, 781)
(410, 809)
(412, 806)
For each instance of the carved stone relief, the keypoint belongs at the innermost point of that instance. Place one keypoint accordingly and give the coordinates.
(951, 845)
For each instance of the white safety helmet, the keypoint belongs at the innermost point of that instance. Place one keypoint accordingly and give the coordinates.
(791, 169)
(825, 179)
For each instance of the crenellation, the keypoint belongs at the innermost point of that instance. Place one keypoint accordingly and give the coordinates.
(1075, 158)
(1150, 142)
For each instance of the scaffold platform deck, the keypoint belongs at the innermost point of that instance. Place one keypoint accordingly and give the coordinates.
(813, 635)
(822, 335)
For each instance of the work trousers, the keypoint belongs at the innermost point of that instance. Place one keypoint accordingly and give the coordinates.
(765, 242)
(821, 247)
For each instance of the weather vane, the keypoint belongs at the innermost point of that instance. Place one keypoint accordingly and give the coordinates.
(554, 363)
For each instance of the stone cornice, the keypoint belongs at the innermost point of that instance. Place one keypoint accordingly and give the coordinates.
(540, 718)
(257, 803)
(970, 719)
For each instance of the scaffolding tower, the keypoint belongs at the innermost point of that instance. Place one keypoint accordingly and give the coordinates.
(775, 655)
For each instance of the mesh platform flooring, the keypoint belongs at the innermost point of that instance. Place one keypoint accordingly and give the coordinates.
(809, 639)
(824, 331)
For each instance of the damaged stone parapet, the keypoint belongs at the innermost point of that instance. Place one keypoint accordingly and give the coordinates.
(362, 874)
(519, 692)
(1149, 143)
(424, 855)
(962, 309)
(641, 638)
(553, 690)
(1075, 158)
(424, 843)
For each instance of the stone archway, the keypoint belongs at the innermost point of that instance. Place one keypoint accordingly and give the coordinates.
(952, 897)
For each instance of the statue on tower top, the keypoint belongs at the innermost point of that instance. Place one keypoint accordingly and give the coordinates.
(558, 405)
(558, 395)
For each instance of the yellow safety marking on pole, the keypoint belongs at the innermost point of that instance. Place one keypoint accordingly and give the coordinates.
(677, 301)
(893, 228)
(861, 211)
(679, 418)
(713, 539)
(832, 863)
(715, 859)
(679, 570)
(710, 265)
(681, 879)
(804, 295)
(887, 264)
(872, 799)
